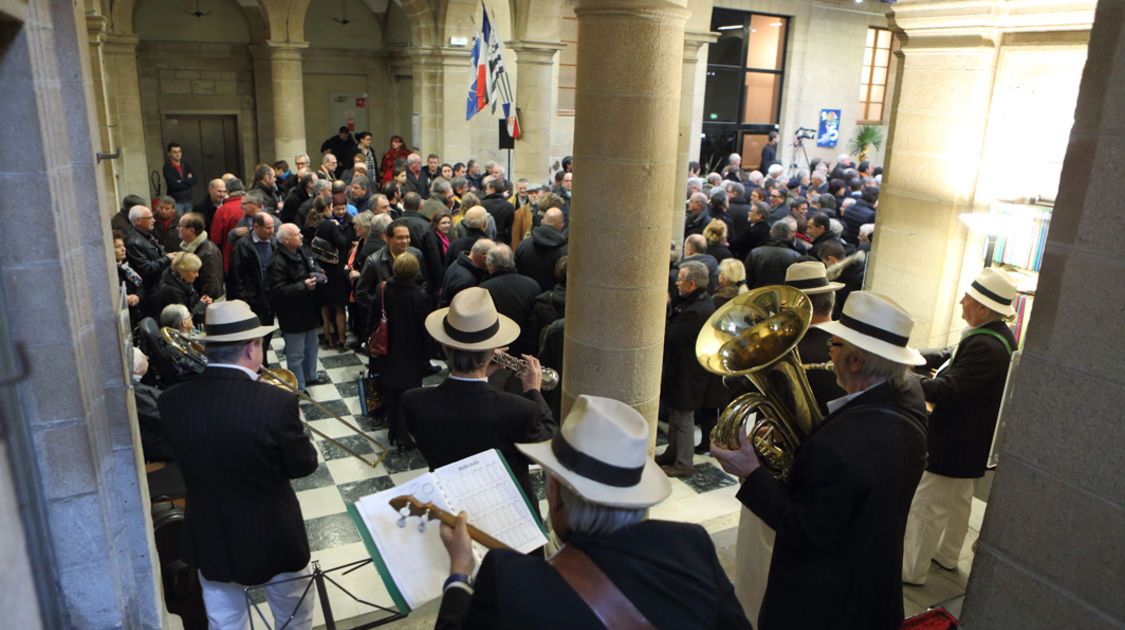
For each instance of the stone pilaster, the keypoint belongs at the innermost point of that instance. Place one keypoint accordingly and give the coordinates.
(693, 42)
(123, 112)
(288, 98)
(626, 122)
(1053, 538)
(535, 96)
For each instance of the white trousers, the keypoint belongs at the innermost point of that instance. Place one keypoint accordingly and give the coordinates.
(752, 562)
(936, 527)
(227, 610)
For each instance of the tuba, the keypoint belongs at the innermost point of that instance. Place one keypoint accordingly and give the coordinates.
(755, 335)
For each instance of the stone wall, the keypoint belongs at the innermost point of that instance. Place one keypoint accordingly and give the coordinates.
(1052, 546)
(197, 78)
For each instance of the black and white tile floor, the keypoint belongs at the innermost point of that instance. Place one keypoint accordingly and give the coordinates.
(707, 497)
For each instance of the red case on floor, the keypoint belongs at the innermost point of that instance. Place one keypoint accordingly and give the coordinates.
(936, 619)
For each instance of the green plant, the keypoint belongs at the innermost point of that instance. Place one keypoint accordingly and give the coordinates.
(866, 137)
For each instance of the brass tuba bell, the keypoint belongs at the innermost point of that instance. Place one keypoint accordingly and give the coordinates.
(755, 335)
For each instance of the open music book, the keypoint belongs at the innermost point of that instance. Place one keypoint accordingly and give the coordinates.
(414, 564)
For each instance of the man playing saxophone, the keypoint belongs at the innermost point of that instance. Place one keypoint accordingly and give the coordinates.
(465, 415)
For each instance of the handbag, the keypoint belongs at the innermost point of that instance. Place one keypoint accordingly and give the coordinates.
(369, 399)
(377, 342)
(324, 251)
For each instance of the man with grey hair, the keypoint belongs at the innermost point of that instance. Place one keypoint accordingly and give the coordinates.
(599, 489)
(416, 179)
(328, 166)
(684, 381)
(696, 219)
(145, 254)
(514, 296)
(291, 278)
(249, 261)
(767, 264)
(695, 250)
(253, 202)
(193, 238)
(840, 510)
(474, 226)
(733, 170)
(440, 199)
(694, 185)
(359, 190)
(467, 271)
(713, 180)
(755, 179)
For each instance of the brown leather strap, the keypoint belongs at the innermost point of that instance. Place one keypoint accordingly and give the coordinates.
(609, 604)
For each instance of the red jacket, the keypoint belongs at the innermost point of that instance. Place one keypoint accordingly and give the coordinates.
(226, 217)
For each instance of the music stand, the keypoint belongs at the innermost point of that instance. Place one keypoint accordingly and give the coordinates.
(319, 578)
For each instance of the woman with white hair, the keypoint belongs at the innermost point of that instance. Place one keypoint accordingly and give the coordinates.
(176, 286)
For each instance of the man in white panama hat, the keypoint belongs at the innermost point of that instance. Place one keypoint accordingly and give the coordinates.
(965, 393)
(600, 485)
(464, 415)
(840, 516)
(238, 442)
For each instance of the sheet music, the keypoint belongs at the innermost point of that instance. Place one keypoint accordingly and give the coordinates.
(482, 486)
(417, 561)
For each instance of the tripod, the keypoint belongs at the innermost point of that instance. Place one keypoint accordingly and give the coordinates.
(798, 146)
(319, 578)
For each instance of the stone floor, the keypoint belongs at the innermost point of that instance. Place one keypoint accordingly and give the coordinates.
(706, 497)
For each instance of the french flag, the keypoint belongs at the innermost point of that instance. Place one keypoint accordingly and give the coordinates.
(478, 89)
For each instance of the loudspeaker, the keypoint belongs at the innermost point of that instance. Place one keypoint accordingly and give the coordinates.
(506, 141)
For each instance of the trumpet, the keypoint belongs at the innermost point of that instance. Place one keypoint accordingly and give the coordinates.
(519, 366)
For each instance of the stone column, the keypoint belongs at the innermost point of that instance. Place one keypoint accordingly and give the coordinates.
(535, 98)
(626, 121)
(693, 42)
(124, 115)
(1053, 538)
(288, 98)
(106, 139)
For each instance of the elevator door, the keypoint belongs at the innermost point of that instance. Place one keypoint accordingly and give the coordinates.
(211, 146)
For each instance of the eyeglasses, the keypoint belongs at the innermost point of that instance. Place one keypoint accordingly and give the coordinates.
(833, 344)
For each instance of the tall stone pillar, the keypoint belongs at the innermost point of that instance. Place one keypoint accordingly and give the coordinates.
(123, 90)
(626, 121)
(106, 138)
(1053, 538)
(693, 42)
(288, 98)
(535, 96)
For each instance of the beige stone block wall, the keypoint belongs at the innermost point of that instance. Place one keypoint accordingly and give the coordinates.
(197, 78)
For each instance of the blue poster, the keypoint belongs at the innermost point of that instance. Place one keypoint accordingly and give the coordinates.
(829, 131)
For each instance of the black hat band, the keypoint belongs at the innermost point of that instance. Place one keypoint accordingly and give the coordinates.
(811, 283)
(233, 327)
(594, 469)
(469, 337)
(881, 334)
(990, 295)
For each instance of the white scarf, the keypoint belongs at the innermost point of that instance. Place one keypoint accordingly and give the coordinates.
(194, 245)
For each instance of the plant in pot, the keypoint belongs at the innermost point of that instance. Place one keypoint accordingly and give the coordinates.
(866, 138)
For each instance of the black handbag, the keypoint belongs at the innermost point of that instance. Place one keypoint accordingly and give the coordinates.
(324, 251)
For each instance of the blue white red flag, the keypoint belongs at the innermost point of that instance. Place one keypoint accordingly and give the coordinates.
(477, 89)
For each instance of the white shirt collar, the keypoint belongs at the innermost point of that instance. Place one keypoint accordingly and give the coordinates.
(836, 403)
(252, 375)
(482, 379)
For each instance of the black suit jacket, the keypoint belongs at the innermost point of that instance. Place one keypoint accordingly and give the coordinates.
(238, 443)
(514, 296)
(840, 519)
(461, 418)
(966, 397)
(669, 571)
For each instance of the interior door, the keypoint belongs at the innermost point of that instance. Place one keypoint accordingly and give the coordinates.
(211, 146)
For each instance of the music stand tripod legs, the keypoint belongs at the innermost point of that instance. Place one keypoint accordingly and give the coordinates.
(320, 579)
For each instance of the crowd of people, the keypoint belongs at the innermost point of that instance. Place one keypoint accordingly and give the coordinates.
(453, 261)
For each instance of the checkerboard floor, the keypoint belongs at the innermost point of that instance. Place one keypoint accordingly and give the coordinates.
(704, 497)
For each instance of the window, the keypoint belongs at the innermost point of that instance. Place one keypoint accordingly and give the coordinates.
(568, 65)
(873, 81)
(745, 73)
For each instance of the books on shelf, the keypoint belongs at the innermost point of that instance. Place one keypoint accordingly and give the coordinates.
(1023, 244)
(408, 551)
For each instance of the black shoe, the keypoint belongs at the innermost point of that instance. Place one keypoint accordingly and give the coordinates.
(665, 459)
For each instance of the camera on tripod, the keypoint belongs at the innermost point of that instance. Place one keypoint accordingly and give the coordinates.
(803, 133)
